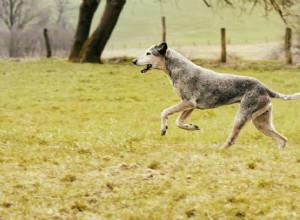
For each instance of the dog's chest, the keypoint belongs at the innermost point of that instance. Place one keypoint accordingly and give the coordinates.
(183, 90)
(182, 85)
(177, 91)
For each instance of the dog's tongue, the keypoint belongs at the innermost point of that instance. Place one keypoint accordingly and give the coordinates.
(146, 68)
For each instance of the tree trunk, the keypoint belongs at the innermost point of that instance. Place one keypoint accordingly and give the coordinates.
(86, 14)
(223, 45)
(163, 21)
(47, 43)
(288, 45)
(93, 48)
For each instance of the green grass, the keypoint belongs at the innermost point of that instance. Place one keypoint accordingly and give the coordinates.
(82, 141)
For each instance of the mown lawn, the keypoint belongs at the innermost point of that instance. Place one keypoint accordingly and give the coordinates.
(82, 141)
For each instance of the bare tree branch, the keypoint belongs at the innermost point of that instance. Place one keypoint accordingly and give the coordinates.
(228, 2)
(253, 6)
(19, 13)
(207, 4)
(278, 9)
(288, 10)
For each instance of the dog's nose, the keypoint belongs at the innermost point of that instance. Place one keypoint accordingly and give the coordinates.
(134, 61)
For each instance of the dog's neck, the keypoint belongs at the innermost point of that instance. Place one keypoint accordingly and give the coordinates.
(174, 62)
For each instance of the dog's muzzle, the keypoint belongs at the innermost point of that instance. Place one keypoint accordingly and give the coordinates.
(148, 66)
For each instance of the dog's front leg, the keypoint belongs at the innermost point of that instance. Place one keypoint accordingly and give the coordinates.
(182, 106)
(180, 121)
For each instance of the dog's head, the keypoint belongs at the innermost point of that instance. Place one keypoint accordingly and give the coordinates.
(154, 58)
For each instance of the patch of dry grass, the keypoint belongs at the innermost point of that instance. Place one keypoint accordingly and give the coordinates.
(83, 142)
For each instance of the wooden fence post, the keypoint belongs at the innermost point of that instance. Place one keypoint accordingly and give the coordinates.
(223, 45)
(47, 42)
(288, 44)
(163, 20)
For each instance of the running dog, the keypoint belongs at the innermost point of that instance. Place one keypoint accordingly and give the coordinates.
(202, 88)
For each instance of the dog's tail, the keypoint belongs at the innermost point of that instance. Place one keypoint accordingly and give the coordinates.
(277, 95)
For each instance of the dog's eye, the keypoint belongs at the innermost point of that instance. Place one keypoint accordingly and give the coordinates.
(148, 54)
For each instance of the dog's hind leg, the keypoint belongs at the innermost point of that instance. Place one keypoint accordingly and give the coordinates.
(180, 121)
(240, 120)
(264, 124)
(180, 107)
(254, 103)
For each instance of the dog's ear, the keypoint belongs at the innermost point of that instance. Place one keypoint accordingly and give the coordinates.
(162, 48)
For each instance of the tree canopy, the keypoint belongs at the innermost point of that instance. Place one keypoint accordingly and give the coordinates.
(288, 10)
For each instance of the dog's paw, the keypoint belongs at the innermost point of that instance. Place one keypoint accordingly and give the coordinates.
(194, 127)
(163, 130)
(225, 146)
(189, 127)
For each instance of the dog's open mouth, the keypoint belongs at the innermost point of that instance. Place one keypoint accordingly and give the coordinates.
(148, 67)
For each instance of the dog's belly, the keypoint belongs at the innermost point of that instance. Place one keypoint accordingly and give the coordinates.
(213, 103)
(212, 91)
(206, 98)
(217, 97)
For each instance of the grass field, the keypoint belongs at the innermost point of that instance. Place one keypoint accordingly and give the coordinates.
(82, 141)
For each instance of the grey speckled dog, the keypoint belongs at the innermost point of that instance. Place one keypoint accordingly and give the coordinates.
(204, 89)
